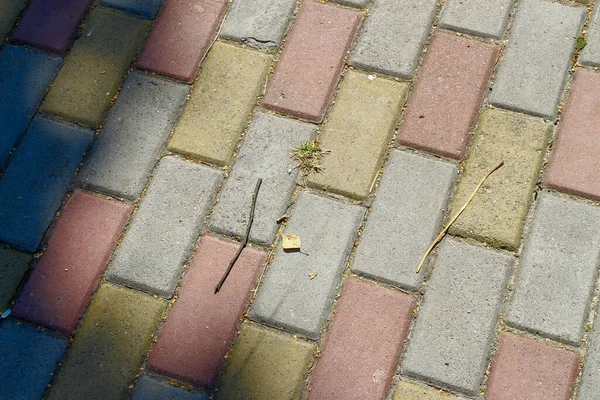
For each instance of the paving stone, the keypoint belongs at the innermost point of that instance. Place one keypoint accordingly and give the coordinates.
(574, 165)
(95, 67)
(537, 59)
(141, 8)
(9, 11)
(59, 288)
(259, 24)
(527, 368)
(497, 214)
(134, 135)
(265, 154)
(411, 391)
(221, 101)
(358, 129)
(181, 36)
(51, 25)
(311, 61)
(558, 269)
(590, 382)
(363, 343)
(26, 73)
(288, 296)
(455, 327)
(148, 387)
(477, 17)
(393, 36)
(165, 226)
(405, 218)
(353, 3)
(266, 365)
(110, 345)
(37, 178)
(201, 325)
(590, 55)
(445, 101)
(13, 266)
(28, 358)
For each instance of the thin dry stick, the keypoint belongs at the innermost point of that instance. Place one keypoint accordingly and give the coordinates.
(245, 241)
(445, 230)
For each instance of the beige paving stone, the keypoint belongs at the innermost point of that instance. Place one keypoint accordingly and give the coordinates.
(9, 11)
(497, 213)
(221, 101)
(357, 130)
(412, 391)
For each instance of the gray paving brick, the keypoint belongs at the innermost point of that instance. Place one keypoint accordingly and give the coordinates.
(485, 18)
(536, 61)
(558, 269)
(265, 154)
(590, 55)
(393, 35)
(455, 327)
(165, 227)
(152, 388)
(353, 3)
(137, 128)
(404, 219)
(258, 23)
(590, 381)
(288, 296)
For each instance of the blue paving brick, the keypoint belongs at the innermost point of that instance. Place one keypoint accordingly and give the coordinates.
(28, 358)
(141, 8)
(24, 76)
(37, 178)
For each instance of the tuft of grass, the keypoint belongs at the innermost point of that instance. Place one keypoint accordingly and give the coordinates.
(581, 43)
(308, 157)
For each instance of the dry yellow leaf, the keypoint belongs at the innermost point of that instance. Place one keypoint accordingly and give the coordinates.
(291, 242)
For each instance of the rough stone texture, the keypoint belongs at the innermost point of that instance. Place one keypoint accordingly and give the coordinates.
(148, 387)
(9, 11)
(181, 36)
(455, 328)
(363, 343)
(165, 226)
(574, 165)
(393, 36)
(37, 178)
(221, 101)
(137, 127)
(497, 214)
(353, 3)
(485, 18)
(288, 296)
(527, 368)
(266, 364)
(590, 381)
(590, 55)
(445, 101)
(312, 59)
(59, 288)
(28, 358)
(13, 266)
(142, 8)
(404, 219)
(95, 67)
(537, 58)
(357, 131)
(260, 24)
(411, 391)
(26, 73)
(265, 154)
(558, 269)
(51, 25)
(201, 326)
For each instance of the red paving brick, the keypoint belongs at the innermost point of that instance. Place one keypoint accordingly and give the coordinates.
(574, 164)
(202, 325)
(528, 369)
(447, 96)
(311, 60)
(364, 343)
(59, 288)
(51, 25)
(181, 36)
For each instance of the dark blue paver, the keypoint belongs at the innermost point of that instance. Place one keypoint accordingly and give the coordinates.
(37, 178)
(28, 357)
(24, 76)
(152, 388)
(141, 8)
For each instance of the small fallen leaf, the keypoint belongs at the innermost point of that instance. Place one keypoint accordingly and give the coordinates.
(313, 275)
(291, 242)
(6, 313)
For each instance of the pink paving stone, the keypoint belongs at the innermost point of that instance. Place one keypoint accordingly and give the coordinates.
(364, 343)
(575, 162)
(447, 96)
(202, 325)
(528, 369)
(59, 288)
(51, 25)
(311, 60)
(181, 36)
